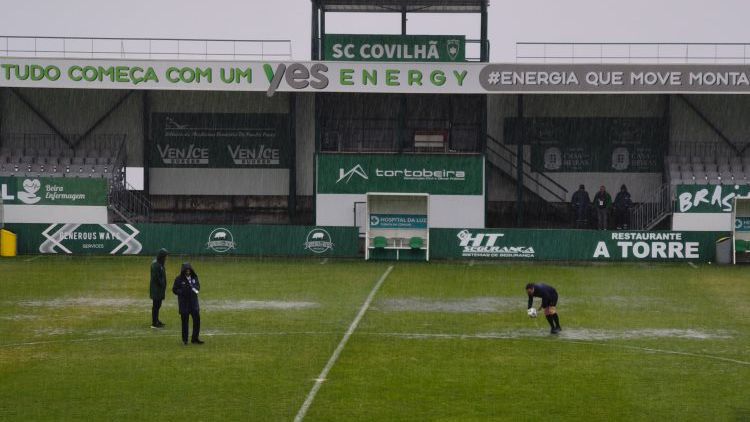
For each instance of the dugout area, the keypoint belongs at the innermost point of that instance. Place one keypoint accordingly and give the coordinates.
(397, 227)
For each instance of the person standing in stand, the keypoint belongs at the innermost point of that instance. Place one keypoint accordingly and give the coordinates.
(622, 208)
(580, 203)
(602, 202)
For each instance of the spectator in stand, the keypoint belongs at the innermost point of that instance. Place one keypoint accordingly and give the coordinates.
(622, 207)
(580, 203)
(602, 202)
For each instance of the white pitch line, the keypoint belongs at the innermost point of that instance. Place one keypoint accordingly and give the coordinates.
(335, 356)
(324, 261)
(692, 265)
(33, 259)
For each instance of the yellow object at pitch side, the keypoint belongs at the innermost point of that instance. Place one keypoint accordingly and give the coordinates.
(8, 243)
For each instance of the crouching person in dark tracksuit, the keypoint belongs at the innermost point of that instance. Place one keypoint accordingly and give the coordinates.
(186, 286)
(549, 303)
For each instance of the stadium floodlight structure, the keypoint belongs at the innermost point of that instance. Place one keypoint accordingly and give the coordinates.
(403, 7)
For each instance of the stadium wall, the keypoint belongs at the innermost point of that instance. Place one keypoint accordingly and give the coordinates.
(311, 241)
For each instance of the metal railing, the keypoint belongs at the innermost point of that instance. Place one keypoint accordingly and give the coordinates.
(534, 179)
(702, 149)
(653, 209)
(128, 204)
(473, 51)
(661, 53)
(51, 141)
(144, 48)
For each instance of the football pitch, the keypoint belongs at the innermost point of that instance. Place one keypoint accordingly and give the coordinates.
(324, 340)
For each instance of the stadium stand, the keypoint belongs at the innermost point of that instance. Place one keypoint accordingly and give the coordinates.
(709, 169)
(32, 158)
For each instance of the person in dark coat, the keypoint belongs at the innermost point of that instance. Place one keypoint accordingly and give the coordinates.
(580, 203)
(622, 205)
(602, 203)
(186, 286)
(158, 286)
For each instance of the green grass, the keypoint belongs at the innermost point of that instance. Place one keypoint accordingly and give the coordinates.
(441, 341)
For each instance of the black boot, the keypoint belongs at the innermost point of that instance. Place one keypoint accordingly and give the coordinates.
(551, 322)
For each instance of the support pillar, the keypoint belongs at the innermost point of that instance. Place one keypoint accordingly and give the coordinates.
(519, 167)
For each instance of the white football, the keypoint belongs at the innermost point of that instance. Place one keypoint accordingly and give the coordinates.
(531, 312)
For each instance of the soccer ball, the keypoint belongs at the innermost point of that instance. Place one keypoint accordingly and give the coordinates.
(531, 312)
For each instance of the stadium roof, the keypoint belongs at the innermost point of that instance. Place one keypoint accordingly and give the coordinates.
(398, 6)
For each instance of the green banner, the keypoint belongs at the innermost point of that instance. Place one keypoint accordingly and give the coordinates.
(573, 245)
(434, 174)
(708, 198)
(186, 239)
(398, 221)
(576, 145)
(206, 140)
(394, 48)
(53, 191)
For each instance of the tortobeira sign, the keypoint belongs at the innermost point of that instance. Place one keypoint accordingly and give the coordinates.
(372, 77)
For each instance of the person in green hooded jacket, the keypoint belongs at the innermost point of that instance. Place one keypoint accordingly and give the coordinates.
(158, 286)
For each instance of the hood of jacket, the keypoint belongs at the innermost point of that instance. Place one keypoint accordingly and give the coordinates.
(161, 255)
(187, 266)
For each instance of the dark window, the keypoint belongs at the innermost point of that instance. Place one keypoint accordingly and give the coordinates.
(379, 122)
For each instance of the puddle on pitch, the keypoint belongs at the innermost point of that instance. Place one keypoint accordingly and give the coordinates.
(245, 305)
(467, 305)
(579, 334)
(120, 303)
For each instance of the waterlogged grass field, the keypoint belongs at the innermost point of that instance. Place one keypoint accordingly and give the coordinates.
(438, 341)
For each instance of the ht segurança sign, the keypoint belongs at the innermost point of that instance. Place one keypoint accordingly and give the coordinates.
(573, 245)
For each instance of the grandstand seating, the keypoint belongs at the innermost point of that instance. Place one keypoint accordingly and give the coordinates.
(30, 162)
(713, 170)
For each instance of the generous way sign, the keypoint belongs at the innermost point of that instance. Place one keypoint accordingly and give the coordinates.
(188, 239)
